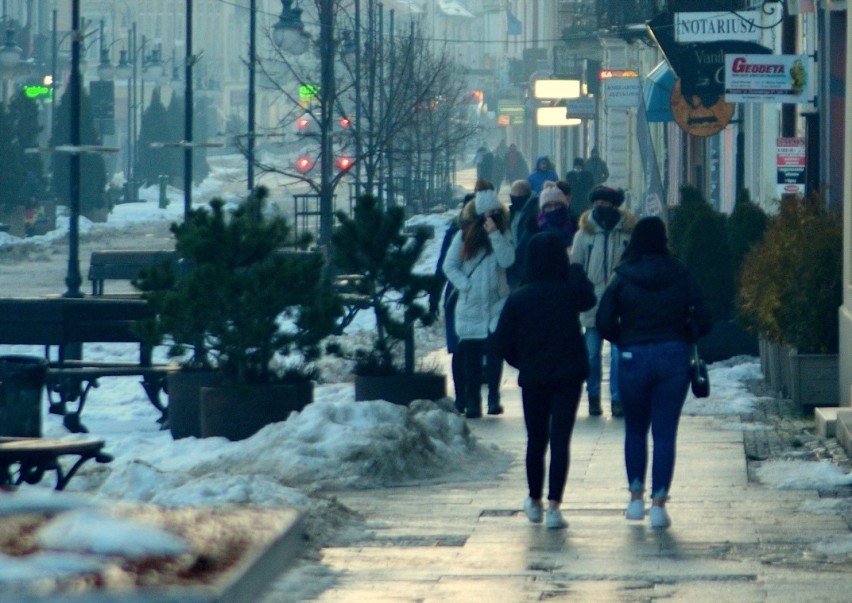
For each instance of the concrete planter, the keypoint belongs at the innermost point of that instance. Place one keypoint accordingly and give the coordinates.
(401, 389)
(813, 379)
(184, 388)
(238, 412)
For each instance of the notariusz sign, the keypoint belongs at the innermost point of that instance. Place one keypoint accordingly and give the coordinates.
(716, 26)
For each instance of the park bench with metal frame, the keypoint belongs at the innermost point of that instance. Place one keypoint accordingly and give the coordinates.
(66, 324)
(124, 265)
(33, 457)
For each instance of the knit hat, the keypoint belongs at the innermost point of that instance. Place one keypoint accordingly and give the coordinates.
(486, 201)
(649, 237)
(605, 193)
(552, 195)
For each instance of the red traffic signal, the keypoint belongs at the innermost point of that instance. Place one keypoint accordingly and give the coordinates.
(344, 163)
(303, 124)
(304, 163)
(345, 122)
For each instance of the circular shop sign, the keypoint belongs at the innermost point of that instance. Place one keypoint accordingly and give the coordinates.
(696, 119)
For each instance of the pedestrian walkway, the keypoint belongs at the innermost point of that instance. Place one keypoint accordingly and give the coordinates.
(730, 540)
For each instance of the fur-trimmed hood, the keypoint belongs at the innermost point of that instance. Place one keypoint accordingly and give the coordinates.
(626, 223)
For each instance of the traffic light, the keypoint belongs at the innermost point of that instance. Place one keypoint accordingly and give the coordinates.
(305, 124)
(344, 163)
(304, 163)
(345, 122)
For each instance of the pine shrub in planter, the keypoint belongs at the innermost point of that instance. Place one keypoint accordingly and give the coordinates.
(746, 227)
(790, 285)
(373, 244)
(699, 236)
(244, 302)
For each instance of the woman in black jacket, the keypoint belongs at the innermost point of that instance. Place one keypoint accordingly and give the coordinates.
(539, 334)
(653, 311)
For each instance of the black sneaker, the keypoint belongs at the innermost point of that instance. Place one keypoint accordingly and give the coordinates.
(595, 406)
(473, 413)
(495, 410)
(617, 409)
(459, 406)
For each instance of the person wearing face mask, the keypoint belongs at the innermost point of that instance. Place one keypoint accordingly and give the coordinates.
(603, 235)
(523, 206)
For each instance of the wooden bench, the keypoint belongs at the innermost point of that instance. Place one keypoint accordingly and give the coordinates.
(124, 265)
(67, 323)
(33, 457)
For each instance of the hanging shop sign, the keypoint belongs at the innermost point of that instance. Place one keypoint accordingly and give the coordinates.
(696, 118)
(717, 26)
(582, 108)
(758, 78)
(790, 163)
(622, 92)
(700, 66)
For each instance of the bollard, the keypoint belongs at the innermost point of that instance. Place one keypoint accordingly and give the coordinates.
(164, 198)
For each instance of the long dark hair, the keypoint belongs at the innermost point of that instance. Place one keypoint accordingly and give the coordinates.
(648, 238)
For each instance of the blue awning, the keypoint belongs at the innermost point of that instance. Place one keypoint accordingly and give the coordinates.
(658, 91)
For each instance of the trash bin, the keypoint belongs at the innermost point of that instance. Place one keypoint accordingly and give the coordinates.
(21, 382)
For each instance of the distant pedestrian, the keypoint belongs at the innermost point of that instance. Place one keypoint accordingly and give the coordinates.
(601, 239)
(581, 182)
(555, 213)
(539, 334)
(476, 264)
(499, 170)
(653, 310)
(484, 162)
(522, 215)
(542, 173)
(597, 167)
(516, 165)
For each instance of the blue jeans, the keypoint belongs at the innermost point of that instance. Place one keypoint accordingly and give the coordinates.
(654, 379)
(594, 345)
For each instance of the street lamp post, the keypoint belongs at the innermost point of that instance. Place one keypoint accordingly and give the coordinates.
(251, 92)
(290, 36)
(73, 280)
(187, 117)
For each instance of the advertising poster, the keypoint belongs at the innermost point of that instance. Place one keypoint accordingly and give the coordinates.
(790, 162)
(761, 78)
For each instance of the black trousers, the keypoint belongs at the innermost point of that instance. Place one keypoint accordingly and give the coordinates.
(470, 353)
(549, 414)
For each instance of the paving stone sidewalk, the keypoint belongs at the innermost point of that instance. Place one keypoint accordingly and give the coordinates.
(731, 540)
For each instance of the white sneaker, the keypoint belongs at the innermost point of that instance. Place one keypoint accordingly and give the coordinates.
(659, 517)
(635, 510)
(554, 520)
(533, 511)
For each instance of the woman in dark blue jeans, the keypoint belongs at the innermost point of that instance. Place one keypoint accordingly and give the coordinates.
(653, 311)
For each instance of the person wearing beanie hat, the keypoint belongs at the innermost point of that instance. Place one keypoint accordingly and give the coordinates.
(603, 234)
(539, 334)
(486, 201)
(654, 311)
(476, 264)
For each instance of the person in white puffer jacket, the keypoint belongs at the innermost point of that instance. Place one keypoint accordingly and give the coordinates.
(476, 265)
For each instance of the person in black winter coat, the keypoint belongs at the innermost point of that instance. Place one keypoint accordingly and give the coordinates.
(539, 334)
(653, 311)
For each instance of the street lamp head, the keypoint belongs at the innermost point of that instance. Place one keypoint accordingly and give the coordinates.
(10, 54)
(153, 69)
(124, 70)
(106, 71)
(289, 33)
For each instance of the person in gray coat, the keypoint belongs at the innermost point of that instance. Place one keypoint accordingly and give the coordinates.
(476, 265)
(603, 235)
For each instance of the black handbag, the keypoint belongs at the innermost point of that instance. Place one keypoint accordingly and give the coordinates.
(699, 379)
